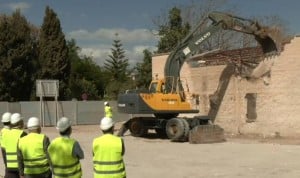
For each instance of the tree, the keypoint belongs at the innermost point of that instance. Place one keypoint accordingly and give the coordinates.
(86, 76)
(172, 32)
(144, 71)
(53, 53)
(196, 13)
(17, 58)
(116, 69)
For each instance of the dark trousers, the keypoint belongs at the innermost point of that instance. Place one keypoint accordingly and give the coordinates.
(11, 174)
(44, 175)
(15, 174)
(123, 129)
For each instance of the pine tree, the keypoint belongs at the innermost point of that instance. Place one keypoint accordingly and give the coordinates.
(53, 53)
(116, 68)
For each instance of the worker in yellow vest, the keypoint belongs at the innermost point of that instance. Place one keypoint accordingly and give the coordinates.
(11, 141)
(108, 110)
(108, 151)
(32, 152)
(65, 152)
(6, 124)
(6, 127)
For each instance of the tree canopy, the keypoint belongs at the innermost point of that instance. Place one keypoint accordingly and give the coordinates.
(143, 75)
(172, 32)
(53, 52)
(16, 58)
(28, 52)
(86, 76)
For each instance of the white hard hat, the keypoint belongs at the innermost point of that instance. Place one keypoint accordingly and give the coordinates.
(106, 123)
(6, 117)
(105, 103)
(15, 118)
(63, 124)
(33, 123)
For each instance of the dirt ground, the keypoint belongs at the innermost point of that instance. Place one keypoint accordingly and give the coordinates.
(246, 157)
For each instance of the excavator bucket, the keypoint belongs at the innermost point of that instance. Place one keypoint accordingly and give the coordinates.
(270, 41)
(206, 134)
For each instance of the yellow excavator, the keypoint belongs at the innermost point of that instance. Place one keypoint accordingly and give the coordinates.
(166, 100)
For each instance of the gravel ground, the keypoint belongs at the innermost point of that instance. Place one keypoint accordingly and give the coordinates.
(237, 157)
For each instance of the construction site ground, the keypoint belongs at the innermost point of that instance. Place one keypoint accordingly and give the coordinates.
(239, 156)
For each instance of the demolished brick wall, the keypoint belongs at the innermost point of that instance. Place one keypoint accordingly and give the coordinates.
(277, 101)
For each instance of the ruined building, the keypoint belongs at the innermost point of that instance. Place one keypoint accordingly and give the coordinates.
(266, 106)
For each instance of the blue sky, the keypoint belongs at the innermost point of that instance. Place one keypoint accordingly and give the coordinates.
(93, 23)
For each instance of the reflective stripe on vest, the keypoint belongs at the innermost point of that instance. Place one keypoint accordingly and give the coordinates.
(63, 162)
(11, 141)
(107, 158)
(108, 111)
(34, 156)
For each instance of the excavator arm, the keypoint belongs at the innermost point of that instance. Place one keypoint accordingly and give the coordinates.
(189, 46)
(166, 100)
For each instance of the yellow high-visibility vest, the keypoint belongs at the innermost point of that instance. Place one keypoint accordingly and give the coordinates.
(108, 161)
(62, 160)
(11, 140)
(108, 111)
(34, 156)
(2, 134)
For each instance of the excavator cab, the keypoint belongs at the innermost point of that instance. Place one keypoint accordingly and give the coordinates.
(157, 86)
(166, 98)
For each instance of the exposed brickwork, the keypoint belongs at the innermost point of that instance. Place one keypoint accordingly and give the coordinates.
(237, 55)
(277, 102)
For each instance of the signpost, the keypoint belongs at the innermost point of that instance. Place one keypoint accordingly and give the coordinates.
(47, 88)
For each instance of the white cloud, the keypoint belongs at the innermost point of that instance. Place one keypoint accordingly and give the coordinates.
(83, 15)
(125, 35)
(98, 44)
(140, 49)
(100, 53)
(136, 53)
(23, 6)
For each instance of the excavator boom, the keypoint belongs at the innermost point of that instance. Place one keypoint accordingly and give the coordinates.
(166, 99)
(189, 46)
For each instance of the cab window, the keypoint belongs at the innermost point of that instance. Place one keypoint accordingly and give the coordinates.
(152, 87)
